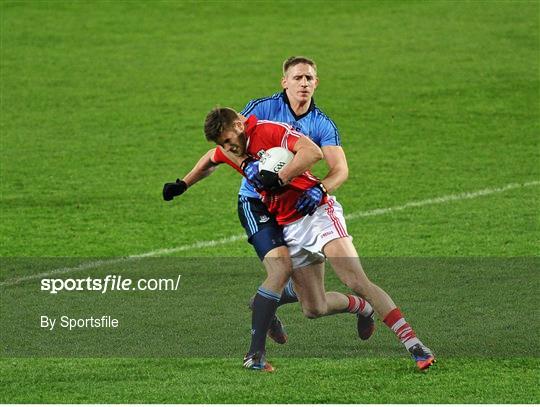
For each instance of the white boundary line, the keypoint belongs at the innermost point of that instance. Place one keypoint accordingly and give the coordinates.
(231, 239)
(443, 199)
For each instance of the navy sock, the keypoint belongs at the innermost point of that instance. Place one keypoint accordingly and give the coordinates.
(288, 295)
(264, 309)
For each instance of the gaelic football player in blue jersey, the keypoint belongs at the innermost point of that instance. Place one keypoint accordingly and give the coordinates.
(295, 106)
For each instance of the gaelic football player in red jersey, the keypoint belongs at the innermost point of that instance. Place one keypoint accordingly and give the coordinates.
(293, 105)
(310, 238)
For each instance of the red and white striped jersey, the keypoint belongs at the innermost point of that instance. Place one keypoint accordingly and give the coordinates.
(262, 135)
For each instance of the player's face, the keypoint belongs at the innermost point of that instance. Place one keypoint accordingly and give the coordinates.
(234, 140)
(300, 82)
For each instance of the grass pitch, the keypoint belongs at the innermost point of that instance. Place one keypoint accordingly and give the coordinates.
(102, 102)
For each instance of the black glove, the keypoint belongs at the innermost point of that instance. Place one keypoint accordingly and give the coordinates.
(251, 172)
(172, 189)
(270, 180)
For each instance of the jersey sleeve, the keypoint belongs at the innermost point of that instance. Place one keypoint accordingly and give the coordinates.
(290, 139)
(219, 157)
(328, 131)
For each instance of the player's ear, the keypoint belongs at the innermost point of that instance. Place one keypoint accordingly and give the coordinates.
(316, 82)
(284, 83)
(238, 125)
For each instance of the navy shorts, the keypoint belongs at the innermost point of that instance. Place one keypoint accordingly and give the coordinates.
(261, 227)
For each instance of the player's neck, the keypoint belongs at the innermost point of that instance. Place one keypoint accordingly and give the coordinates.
(299, 108)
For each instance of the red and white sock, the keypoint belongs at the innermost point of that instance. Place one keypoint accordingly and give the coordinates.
(358, 305)
(395, 321)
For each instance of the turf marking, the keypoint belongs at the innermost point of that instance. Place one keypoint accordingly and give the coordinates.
(231, 239)
(442, 199)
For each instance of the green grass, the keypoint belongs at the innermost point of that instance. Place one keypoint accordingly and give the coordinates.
(102, 102)
(312, 380)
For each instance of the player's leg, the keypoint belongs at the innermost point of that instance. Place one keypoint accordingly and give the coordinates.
(316, 303)
(314, 300)
(306, 239)
(264, 234)
(344, 259)
(309, 287)
(288, 295)
(278, 267)
(275, 260)
(267, 238)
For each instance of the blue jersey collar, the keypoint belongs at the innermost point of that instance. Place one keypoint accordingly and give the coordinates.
(286, 100)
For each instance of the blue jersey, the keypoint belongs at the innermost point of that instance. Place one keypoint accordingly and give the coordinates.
(314, 123)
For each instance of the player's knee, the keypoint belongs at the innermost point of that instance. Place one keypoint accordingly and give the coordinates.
(315, 311)
(277, 279)
(283, 279)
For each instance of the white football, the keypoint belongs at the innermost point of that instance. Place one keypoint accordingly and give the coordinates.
(274, 159)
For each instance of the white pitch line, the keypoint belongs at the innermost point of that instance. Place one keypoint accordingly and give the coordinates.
(442, 199)
(197, 245)
(230, 239)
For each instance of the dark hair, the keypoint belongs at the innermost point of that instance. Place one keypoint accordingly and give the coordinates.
(292, 61)
(217, 121)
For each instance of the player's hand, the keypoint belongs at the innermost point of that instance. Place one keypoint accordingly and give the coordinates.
(310, 200)
(271, 180)
(172, 189)
(250, 167)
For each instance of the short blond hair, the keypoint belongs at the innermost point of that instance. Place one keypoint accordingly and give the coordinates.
(292, 61)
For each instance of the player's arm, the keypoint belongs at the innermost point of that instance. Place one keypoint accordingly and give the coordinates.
(338, 170)
(306, 154)
(337, 174)
(204, 168)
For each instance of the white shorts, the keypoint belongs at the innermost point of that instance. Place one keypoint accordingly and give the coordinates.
(307, 236)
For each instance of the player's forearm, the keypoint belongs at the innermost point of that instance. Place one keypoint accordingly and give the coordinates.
(201, 170)
(196, 174)
(338, 170)
(305, 157)
(335, 177)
